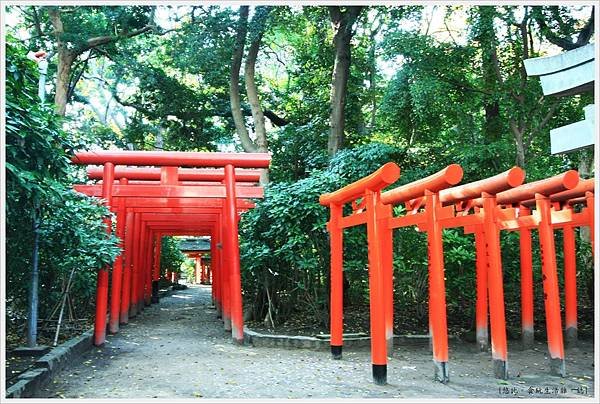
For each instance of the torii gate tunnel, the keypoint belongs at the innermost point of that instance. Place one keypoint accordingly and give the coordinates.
(484, 208)
(168, 199)
(202, 270)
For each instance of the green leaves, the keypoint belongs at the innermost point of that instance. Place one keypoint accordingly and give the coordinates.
(284, 241)
(72, 234)
(171, 256)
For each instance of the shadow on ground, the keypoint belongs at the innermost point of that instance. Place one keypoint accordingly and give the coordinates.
(178, 348)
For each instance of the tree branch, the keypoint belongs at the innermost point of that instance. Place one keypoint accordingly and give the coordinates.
(103, 40)
(564, 43)
(464, 87)
(587, 31)
(125, 103)
(543, 123)
(75, 78)
(335, 14)
(36, 21)
(275, 119)
(525, 44)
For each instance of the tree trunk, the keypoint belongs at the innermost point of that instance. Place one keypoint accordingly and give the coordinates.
(342, 23)
(32, 307)
(258, 25)
(252, 92)
(372, 77)
(493, 124)
(487, 40)
(65, 62)
(63, 76)
(518, 136)
(234, 82)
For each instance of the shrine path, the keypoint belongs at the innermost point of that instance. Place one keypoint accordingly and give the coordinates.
(178, 349)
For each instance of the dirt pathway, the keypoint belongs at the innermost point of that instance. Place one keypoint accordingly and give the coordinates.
(178, 349)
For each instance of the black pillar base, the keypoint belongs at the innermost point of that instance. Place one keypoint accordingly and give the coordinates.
(557, 367)
(380, 374)
(570, 337)
(154, 298)
(441, 372)
(336, 351)
(500, 369)
(527, 339)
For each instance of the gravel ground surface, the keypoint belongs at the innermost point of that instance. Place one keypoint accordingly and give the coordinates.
(178, 349)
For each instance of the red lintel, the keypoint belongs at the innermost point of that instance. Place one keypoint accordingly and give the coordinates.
(171, 191)
(184, 174)
(179, 159)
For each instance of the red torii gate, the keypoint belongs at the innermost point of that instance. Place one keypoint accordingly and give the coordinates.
(194, 189)
(205, 204)
(165, 205)
(201, 267)
(445, 207)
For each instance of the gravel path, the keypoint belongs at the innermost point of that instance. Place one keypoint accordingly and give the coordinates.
(178, 349)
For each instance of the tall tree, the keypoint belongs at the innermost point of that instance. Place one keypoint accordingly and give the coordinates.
(257, 29)
(234, 80)
(342, 21)
(485, 35)
(71, 43)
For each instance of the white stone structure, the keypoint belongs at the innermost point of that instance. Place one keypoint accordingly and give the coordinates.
(568, 73)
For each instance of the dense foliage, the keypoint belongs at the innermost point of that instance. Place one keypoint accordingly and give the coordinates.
(428, 86)
(72, 237)
(171, 256)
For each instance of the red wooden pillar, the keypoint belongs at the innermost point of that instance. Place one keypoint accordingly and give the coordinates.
(590, 206)
(224, 275)
(226, 265)
(141, 268)
(209, 271)
(203, 273)
(495, 287)
(481, 303)
(102, 282)
(377, 298)
(197, 264)
(148, 250)
(216, 288)
(126, 288)
(135, 290)
(527, 336)
(212, 257)
(237, 321)
(570, 274)
(156, 267)
(437, 290)
(387, 245)
(550, 282)
(117, 274)
(336, 306)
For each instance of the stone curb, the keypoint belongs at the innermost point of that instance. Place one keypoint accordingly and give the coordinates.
(287, 341)
(33, 380)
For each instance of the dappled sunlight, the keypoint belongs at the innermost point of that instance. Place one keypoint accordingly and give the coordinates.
(187, 184)
(182, 296)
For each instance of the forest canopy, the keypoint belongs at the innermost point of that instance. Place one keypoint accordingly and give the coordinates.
(331, 92)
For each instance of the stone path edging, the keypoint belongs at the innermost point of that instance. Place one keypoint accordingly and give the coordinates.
(30, 382)
(255, 338)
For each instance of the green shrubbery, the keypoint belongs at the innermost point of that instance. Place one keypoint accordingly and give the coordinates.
(72, 236)
(285, 248)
